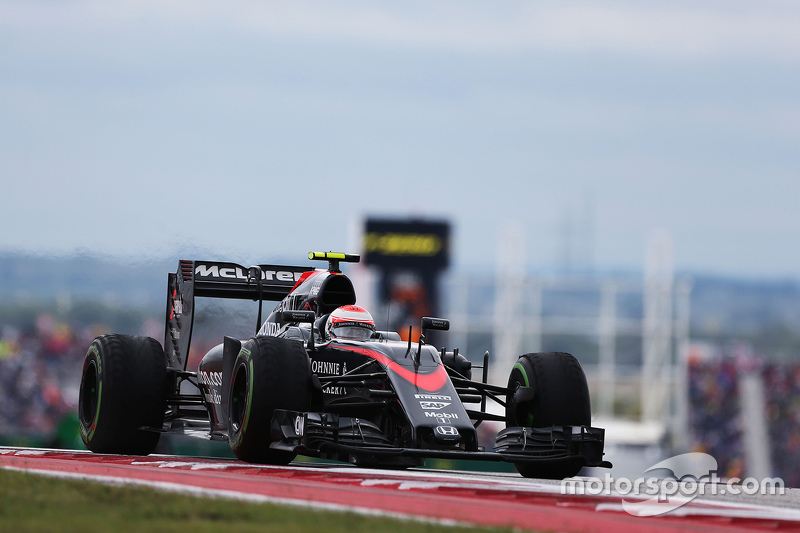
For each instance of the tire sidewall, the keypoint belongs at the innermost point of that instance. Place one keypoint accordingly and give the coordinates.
(91, 363)
(239, 430)
(521, 376)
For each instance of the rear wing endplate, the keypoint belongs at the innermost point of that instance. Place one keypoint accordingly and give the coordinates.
(217, 280)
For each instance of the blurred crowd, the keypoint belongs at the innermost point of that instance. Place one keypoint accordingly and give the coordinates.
(40, 375)
(714, 417)
(716, 420)
(782, 387)
(40, 371)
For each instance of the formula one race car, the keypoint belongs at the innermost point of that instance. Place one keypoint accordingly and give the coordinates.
(319, 379)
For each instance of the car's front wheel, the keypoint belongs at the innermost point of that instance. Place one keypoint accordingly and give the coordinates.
(560, 397)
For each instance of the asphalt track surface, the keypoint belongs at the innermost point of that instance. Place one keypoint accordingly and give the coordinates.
(491, 499)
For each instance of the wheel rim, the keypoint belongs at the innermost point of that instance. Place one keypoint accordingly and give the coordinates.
(88, 395)
(515, 414)
(239, 398)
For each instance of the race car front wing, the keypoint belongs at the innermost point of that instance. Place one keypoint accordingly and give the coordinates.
(331, 436)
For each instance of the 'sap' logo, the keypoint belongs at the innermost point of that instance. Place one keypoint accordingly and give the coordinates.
(433, 405)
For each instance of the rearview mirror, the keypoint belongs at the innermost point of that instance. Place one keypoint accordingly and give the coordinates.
(438, 324)
(307, 317)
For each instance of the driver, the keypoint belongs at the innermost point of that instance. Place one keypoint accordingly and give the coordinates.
(350, 322)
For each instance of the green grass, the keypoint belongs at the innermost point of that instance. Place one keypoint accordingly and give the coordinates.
(35, 503)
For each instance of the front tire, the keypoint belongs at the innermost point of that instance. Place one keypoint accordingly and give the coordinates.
(269, 373)
(560, 398)
(123, 388)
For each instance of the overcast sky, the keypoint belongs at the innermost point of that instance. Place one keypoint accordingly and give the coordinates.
(256, 129)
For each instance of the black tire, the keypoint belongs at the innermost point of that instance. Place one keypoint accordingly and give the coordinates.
(123, 388)
(561, 397)
(269, 373)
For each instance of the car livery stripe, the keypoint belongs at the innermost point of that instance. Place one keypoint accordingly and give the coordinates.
(430, 382)
(304, 276)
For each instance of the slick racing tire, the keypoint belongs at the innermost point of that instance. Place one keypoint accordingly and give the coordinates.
(123, 389)
(560, 397)
(269, 373)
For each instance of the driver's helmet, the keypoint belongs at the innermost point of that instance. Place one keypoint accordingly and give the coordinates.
(350, 322)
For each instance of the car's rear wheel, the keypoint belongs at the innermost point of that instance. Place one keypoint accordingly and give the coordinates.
(560, 397)
(269, 373)
(123, 389)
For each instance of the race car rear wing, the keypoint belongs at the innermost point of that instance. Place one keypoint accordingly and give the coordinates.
(217, 280)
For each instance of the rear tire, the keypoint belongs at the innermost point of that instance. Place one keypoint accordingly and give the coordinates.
(561, 397)
(123, 388)
(269, 373)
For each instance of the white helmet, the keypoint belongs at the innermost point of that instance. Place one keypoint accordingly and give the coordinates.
(350, 322)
